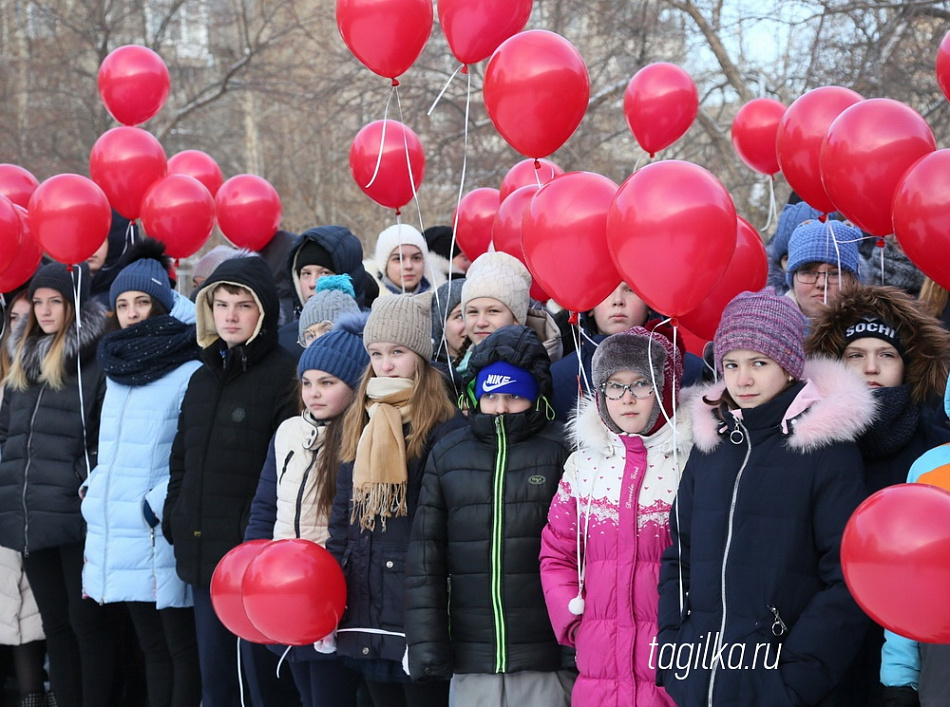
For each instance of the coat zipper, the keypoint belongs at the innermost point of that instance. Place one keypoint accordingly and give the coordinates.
(26, 473)
(737, 436)
(298, 509)
(497, 558)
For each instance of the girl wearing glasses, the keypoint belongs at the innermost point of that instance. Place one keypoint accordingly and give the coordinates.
(608, 525)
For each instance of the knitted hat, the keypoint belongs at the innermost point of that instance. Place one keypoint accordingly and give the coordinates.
(439, 240)
(502, 277)
(395, 236)
(811, 242)
(208, 262)
(791, 217)
(898, 270)
(339, 353)
(503, 377)
(766, 323)
(447, 297)
(872, 327)
(404, 320)
(56, 277)
(145, 275)
(312, 253)
(334, 296)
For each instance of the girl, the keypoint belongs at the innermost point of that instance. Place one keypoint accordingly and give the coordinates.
(401, 410)
(49, 428)
(753, 606)
(148, 363)
(600, 556)
(402, 262)
(295, 501)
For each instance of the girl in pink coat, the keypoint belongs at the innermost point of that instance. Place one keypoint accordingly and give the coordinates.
(608, 525)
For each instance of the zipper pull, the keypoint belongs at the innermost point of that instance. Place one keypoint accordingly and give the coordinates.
(737, 436)
(779, 628)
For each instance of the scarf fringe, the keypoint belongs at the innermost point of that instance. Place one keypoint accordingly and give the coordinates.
(378, 500)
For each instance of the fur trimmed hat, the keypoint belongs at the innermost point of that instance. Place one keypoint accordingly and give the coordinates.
(404, 320)
(502, 277)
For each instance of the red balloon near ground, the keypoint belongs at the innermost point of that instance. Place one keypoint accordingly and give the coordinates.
(133, 84)
(525, 173)
(799, 137)
(125, 162)
(475, 29)
(536, 91)
(475, 216)
(179, 211)
(70, 217)
(25, 261)
(922, 215)
(294, 592)
(660, 104)
(197, 164)
(401, 162)
(866, 151)
(943, 66)
(248, 210)
(227, 594)
(506, 229)
(11, 232)
(895, 554)
(17, 184)
(753, 133)
(387, 36)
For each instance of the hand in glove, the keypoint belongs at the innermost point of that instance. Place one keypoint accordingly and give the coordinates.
(327, 644)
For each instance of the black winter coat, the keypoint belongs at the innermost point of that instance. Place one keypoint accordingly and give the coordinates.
(473, 560)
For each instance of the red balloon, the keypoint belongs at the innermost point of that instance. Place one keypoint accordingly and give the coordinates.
(11, 233)
(753, 133)
(248, 211)
(476, 215)
(799, 136)
(943, 65)
(748, 270)
(564, 235)
(866, 151)
(660, 103)
(70, 217)
(25, 261)
(387, 36)
(17, 184)
(525, 173)
(199, 165)
(133, 84)
(475, 29)
(125, 162)
(179, 211)
(294, 592)
(672, 231)
(506, 229)
(392, 186)
(227, 593)
(895, 554)
(536, 91)
(922, 215)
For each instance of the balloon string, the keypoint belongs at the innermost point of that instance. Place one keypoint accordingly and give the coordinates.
(880, 243)
(281, 661)
(636, 167)
(412, 182)
(382, 138)
(77, 286)
(239, 678)
(458, 204)
(772, 208)
(444, 89)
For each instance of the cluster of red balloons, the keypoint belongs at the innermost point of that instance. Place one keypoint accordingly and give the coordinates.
(279, 591)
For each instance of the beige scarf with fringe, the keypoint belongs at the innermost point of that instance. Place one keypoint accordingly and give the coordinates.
(380, 473)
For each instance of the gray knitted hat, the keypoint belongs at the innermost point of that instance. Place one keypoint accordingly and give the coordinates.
(447, 298)
(766, 323)
(502, 277)
(334, 296)
(208, 262)
(404, 320)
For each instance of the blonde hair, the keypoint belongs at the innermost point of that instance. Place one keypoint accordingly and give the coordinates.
(53, 366)
(5, 361)
(933, 298)
(428, 401)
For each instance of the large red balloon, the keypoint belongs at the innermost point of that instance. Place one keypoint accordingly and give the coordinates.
(179, 211)
(227, 593)
(564, 235)
(753, 133)
(525, 173)
(943, 65)
(536, 91)
(248, 211)
(799, 137)
(474, 218)
(922, 215)
(866, 151)
(17, 184)
(199, 165)
(11, 233)
(671, 232)
(748, 270)
(387, 36)
(294, 592)
(125, 162)
(402, 165)
(69, 217)
(660, 103)
(26, 260)
(133, 84)
(506, 230)
(895, 554)
(475, 28)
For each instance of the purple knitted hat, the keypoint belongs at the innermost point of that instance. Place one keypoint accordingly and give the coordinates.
(766, 323)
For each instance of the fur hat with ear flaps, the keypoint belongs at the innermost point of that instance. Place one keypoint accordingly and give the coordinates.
(925, 343)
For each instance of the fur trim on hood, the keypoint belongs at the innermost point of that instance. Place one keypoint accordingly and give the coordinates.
(834, 406)
(926, 343)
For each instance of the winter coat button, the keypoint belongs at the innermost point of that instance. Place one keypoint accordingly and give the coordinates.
(366, 651)
(389, 564)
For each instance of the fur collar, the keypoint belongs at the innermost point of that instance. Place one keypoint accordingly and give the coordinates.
(842, 408)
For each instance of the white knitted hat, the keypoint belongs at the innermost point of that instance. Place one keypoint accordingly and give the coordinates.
(502, 277)
(395, 236)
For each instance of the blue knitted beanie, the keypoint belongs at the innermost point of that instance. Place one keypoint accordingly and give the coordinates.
(812, 242)
(145, 275)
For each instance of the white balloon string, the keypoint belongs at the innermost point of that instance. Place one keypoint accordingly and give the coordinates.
(239, 678)
(382, 138)
(281, 661)
(412, 181)
(772, 208)
(458, 203)
(444, 89)
(77, 285)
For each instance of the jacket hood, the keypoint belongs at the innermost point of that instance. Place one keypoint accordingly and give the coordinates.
(344, 248)
(519, 346)
(251, 273)
(926, 343)
(834, 406)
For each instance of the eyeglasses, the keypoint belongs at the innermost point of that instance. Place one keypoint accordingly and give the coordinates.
(811, 277)
(641, 389)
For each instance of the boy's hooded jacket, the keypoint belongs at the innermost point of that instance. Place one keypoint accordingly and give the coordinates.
(232, 407)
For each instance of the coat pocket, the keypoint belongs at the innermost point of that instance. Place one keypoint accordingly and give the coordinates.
(392, 609)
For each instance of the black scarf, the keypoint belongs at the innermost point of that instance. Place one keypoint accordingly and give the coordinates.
(148, 350)
(894, 424)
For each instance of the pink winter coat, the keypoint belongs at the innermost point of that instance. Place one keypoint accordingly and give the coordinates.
(621, 544)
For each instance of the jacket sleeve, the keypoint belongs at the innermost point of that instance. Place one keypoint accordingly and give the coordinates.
(559, 559)
(176, 473)
(97, 392)
(427, 604)
(5, 418)
(900, 661)
(264, 506)
(339, 525)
